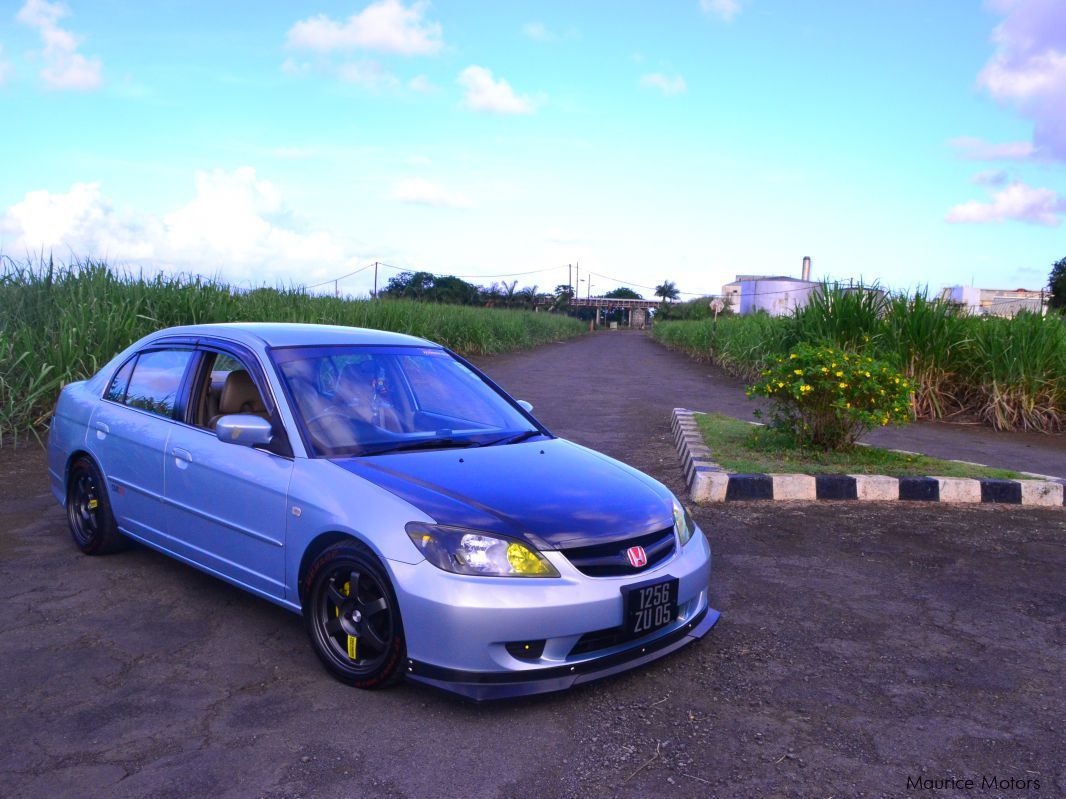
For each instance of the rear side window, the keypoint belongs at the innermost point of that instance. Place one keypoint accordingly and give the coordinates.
(156, 380)
(116, 392)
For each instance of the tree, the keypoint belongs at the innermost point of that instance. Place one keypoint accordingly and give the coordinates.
(509, 292)
(668, 291)
(1057, 283)
(427, 287)
(409, 285)
(563, 293)
(529, 294)
(623, 293)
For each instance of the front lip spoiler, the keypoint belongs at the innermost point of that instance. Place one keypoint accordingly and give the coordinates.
(481, 686)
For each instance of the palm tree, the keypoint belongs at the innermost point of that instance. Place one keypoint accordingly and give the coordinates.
(509, 292)
(529, 294)
(668, 291)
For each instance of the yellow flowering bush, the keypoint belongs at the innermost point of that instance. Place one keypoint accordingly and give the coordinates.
(826, 397)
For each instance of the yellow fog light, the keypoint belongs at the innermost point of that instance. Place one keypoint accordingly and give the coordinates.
(525, 562)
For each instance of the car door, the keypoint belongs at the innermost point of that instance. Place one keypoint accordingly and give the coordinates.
(226, 503)
(128, 435)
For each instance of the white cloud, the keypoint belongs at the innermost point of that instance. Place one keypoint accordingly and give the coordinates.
(539, 32)
(5, 67)
(421, 84)
(419, 160)
(990, 177)
(368, 74)
(485, 93)
(724, 9)
(1028, 68)
(1015, 202)
(386, 26)
(418, 191)
(975, 149)
(290, 66)
(667, 84)
(64, 67)
(236, 225)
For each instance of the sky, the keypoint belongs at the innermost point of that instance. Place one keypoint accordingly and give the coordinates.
(903, 141)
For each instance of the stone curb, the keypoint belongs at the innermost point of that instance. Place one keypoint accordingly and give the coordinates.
(709, 482)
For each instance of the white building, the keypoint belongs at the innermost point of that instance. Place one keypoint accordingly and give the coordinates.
(777, 295)
(994, 302)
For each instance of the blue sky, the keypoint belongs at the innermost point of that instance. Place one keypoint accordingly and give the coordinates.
(894, 140)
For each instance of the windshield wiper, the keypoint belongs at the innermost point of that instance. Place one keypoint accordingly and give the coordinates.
(515, 438)
(431, 443)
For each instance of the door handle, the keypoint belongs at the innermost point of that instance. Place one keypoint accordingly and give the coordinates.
(102, 430)
(181, 454)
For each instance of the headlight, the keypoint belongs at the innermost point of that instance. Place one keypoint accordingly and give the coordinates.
(683, 523)
(462, 551)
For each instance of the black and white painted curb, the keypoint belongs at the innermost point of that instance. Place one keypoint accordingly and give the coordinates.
(709, 482)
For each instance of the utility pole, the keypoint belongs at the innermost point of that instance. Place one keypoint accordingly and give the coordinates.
(375, 280)
(577, 274)
(337, 288)
(570, 278)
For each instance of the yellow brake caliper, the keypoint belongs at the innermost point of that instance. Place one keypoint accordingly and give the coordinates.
(352, 640)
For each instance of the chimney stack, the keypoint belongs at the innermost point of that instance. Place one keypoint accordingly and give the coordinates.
(806, 267)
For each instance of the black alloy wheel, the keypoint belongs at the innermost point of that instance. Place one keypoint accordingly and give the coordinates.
(92, 523)
(352, 617)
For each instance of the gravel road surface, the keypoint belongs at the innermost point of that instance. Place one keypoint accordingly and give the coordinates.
(860, 646)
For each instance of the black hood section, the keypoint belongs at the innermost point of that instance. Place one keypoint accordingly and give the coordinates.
(551, 493)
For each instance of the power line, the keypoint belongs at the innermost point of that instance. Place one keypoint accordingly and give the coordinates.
(442, 274)
(339, 277)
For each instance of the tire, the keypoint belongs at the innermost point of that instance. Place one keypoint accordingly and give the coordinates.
(348, 595)
(92, 524)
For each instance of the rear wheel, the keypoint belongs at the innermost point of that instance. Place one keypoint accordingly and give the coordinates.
(92, 524)
(352, 617)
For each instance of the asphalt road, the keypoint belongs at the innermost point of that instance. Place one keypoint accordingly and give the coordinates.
(860, 646)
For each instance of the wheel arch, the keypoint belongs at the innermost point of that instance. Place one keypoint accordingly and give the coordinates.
(77, 454)
(317, 546)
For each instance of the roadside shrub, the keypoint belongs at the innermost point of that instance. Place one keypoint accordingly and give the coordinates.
(826, 398)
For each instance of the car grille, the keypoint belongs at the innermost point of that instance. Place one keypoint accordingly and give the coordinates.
(609, 560)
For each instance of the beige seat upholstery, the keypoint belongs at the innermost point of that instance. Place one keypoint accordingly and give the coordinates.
(239, 395)
(355, 388)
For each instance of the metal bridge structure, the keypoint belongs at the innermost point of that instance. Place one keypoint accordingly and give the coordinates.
(636, 310)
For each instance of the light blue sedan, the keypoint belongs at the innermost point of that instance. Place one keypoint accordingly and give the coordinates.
(422, 521)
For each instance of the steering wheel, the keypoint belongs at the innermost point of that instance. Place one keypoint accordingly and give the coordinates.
(328, 412)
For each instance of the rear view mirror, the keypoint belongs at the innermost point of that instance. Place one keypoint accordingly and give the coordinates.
(244, 429)
(528, 406)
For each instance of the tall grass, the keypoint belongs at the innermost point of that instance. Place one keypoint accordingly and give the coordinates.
(1009, 373)
(59, 324)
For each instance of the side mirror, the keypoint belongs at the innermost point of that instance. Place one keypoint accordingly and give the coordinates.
(527, 405)
(245, 430)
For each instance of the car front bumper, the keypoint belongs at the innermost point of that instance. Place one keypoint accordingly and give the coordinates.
(457, 627)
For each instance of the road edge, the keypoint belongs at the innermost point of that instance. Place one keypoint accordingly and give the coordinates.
(706, 481)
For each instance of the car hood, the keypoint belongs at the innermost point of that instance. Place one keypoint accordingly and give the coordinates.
(551, 493)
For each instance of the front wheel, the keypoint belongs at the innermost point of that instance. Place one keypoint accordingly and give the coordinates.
(92, 524)
(352, 617)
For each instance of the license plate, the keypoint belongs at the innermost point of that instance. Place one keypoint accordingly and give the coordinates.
(650, 606)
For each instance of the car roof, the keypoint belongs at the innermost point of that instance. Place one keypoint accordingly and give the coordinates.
(291, 334)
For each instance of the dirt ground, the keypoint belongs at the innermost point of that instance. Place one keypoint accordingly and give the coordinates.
(860, 646)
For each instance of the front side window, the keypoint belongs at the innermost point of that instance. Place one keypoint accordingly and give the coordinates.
(373, 400)
(156, 380)
(226, 388)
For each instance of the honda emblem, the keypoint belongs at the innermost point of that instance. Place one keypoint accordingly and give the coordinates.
(637, 557)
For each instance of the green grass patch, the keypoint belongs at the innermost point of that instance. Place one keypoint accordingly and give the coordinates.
(1009, 373)
(743, 448)
(60, 324)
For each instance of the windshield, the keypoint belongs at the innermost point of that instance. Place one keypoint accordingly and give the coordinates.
(371, 400)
